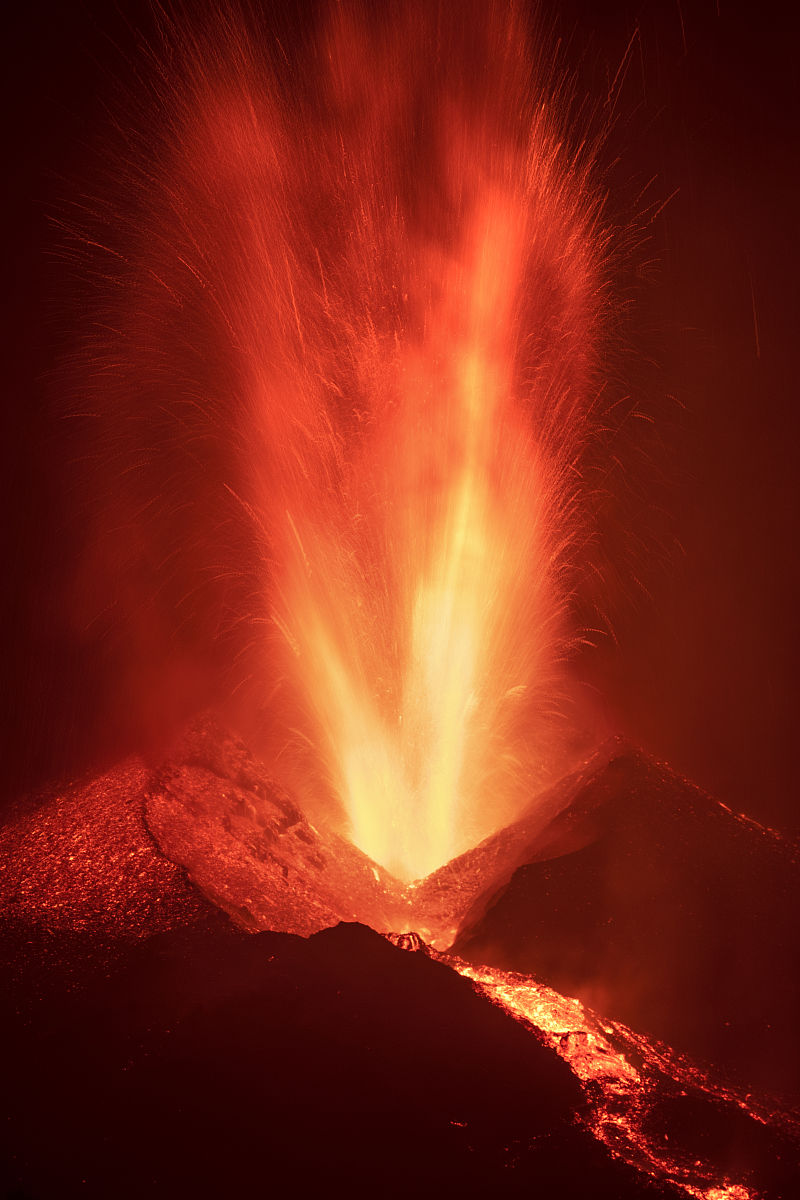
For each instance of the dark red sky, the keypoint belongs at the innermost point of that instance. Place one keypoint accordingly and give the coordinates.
(704, 673)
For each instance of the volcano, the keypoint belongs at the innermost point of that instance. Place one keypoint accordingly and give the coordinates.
(356, 445)
(204, 992)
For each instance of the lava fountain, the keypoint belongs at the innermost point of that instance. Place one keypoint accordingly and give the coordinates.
(376, 263)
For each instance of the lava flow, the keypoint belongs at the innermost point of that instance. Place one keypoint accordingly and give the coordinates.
(601, 1053)
(381, 266)
(627, 1079)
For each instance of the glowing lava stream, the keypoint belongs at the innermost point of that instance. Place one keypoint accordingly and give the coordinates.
(591, 1047)
(619, 1094)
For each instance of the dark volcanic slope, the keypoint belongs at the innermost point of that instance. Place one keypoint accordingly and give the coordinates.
(675, 916)
(217, 1063)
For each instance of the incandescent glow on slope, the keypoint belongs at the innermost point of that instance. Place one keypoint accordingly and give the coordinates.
(620, 1095)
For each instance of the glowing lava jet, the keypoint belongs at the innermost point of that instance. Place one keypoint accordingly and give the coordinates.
(417, 367)
(374, 264)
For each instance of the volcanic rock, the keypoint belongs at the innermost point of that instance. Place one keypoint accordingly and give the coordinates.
(213, 808)
(81, 858)
(141, 849)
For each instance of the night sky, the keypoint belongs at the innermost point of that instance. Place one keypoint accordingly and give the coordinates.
(703, 672)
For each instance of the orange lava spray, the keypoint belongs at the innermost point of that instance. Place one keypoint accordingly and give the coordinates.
(390, 248)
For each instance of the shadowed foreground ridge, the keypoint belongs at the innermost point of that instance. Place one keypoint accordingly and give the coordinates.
(201, 1061)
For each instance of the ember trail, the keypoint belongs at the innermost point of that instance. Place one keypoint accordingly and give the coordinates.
(391, 249)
